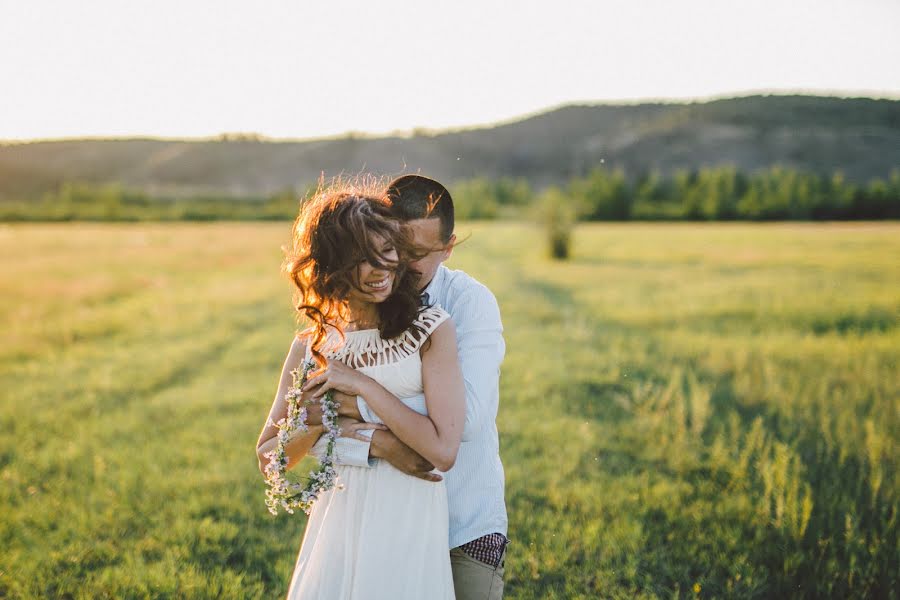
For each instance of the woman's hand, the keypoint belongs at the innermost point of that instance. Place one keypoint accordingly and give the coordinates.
(339, 377)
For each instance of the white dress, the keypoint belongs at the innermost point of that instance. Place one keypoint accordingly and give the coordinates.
(385, 534)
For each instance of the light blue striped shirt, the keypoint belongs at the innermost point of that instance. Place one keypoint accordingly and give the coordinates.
(475, 484)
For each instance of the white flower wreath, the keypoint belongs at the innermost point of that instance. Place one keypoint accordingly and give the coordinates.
(288, 494)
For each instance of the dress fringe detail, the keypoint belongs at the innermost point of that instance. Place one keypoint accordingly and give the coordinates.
(365, 347)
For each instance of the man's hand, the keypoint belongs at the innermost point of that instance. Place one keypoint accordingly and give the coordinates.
(388, 446)
(350, 428)
(347, 408)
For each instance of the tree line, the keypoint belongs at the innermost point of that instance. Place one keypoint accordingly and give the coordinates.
(79, 201)
(707, 194)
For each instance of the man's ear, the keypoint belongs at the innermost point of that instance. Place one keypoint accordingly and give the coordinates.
(448, 249)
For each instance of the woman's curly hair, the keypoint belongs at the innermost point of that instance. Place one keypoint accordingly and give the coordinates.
(332, 235)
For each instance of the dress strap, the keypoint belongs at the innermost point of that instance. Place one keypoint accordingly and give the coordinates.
(430, 318)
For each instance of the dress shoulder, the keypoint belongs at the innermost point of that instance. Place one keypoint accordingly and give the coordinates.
(430, 317)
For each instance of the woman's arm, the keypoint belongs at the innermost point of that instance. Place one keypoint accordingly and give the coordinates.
(435, 436)
(301, 442)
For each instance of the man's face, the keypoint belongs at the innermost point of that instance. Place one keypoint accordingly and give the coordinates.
(426, 237)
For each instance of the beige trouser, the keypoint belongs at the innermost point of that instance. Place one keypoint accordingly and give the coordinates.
(475, 580)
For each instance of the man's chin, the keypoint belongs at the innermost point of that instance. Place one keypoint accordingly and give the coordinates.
(423, 282)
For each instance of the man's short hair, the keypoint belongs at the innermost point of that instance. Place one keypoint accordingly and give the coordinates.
(418, 197)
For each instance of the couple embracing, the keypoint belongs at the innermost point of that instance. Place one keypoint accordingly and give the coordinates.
(410, 350)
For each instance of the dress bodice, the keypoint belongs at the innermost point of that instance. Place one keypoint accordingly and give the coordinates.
(380, 521)
(395, 363)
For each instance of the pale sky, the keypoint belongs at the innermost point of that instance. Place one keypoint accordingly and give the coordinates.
(306, 68)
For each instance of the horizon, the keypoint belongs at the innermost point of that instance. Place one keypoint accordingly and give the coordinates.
(412, 132)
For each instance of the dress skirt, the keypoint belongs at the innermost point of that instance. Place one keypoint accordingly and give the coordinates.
(383, 535)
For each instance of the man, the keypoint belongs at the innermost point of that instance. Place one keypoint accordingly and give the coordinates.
(475, 485)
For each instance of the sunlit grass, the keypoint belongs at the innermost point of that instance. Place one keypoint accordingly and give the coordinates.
(684, 407)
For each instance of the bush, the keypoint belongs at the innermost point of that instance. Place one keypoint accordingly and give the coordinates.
(557, 215)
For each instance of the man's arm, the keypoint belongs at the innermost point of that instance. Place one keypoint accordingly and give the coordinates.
(388, 446)
(481, 348)
(348, 450)
(381, 443)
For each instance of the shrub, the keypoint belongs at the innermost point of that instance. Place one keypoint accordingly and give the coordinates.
(557, 215)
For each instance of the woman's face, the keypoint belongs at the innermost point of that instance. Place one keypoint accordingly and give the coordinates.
(376, 283)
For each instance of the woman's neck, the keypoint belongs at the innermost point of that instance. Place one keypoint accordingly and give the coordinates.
(362, 315)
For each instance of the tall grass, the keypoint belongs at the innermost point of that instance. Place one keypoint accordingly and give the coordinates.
(687, 411)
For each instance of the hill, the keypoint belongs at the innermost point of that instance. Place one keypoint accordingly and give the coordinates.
(858, 136)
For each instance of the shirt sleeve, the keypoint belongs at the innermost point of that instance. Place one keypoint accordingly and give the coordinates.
(347, 451)
(481, 348)
(365, 412)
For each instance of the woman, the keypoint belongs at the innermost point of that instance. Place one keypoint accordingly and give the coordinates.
(384, 533)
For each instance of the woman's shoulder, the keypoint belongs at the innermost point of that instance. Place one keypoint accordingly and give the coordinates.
(304, 337)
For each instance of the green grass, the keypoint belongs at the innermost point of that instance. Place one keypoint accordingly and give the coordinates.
(684, 408)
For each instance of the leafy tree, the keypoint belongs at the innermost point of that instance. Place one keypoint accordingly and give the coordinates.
(602, 195)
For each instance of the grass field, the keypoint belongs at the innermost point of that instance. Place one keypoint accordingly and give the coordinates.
(686, 411)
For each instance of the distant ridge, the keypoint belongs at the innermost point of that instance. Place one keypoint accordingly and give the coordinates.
(858, 136)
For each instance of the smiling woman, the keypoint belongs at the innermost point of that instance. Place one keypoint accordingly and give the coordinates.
(349, 253)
